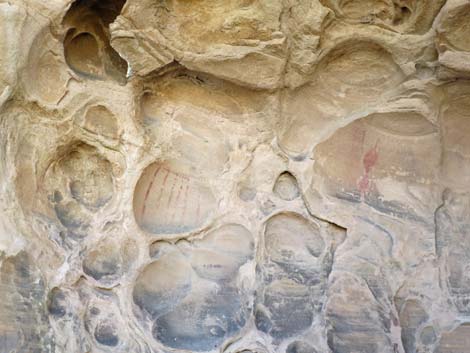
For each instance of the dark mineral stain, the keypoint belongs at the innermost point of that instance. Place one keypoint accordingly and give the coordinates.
(23, 318)
(392, 208)
(262, 320)
(300, 347)
(354, 197)
(56, 303)
(428, 335)
(105, 268)
(106, 335)
(412, 315)
(201, 326)
(294, 316)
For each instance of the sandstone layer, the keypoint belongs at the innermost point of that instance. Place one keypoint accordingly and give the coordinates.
(236, 176)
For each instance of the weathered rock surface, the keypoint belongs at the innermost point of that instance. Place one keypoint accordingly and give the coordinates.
(270, 176)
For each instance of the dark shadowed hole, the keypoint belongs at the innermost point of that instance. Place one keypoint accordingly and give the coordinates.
(82, 54)
(87, 45)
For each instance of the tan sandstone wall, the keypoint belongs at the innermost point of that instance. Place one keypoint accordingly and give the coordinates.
(236, 176)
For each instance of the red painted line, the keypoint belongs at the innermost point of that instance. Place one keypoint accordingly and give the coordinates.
(369, 161)
(185, 202)
(161, 187)
(148, 192)
(176, 200)
(370, 158)
(171, 191)
(363, 183)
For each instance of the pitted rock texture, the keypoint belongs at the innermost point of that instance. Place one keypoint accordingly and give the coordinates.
(235, 176)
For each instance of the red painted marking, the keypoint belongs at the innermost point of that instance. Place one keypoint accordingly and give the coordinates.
(176, 200)
(185, 202)
(369, 161)
(162, 187)
(370, 158)
(363, 184)
(171, 191)
(148, 192)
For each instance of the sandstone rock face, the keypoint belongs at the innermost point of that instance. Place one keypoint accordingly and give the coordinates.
(236, 176)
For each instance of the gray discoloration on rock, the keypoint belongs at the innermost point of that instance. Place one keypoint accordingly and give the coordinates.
(452, 245)
(294, 280)
(190, 291)
(24, 325)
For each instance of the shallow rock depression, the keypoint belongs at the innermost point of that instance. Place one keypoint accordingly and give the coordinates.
(235, 176)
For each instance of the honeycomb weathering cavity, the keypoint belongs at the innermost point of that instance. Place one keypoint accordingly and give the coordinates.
(191, 292)
(169, 201)
(86, 45)
(246, 176)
